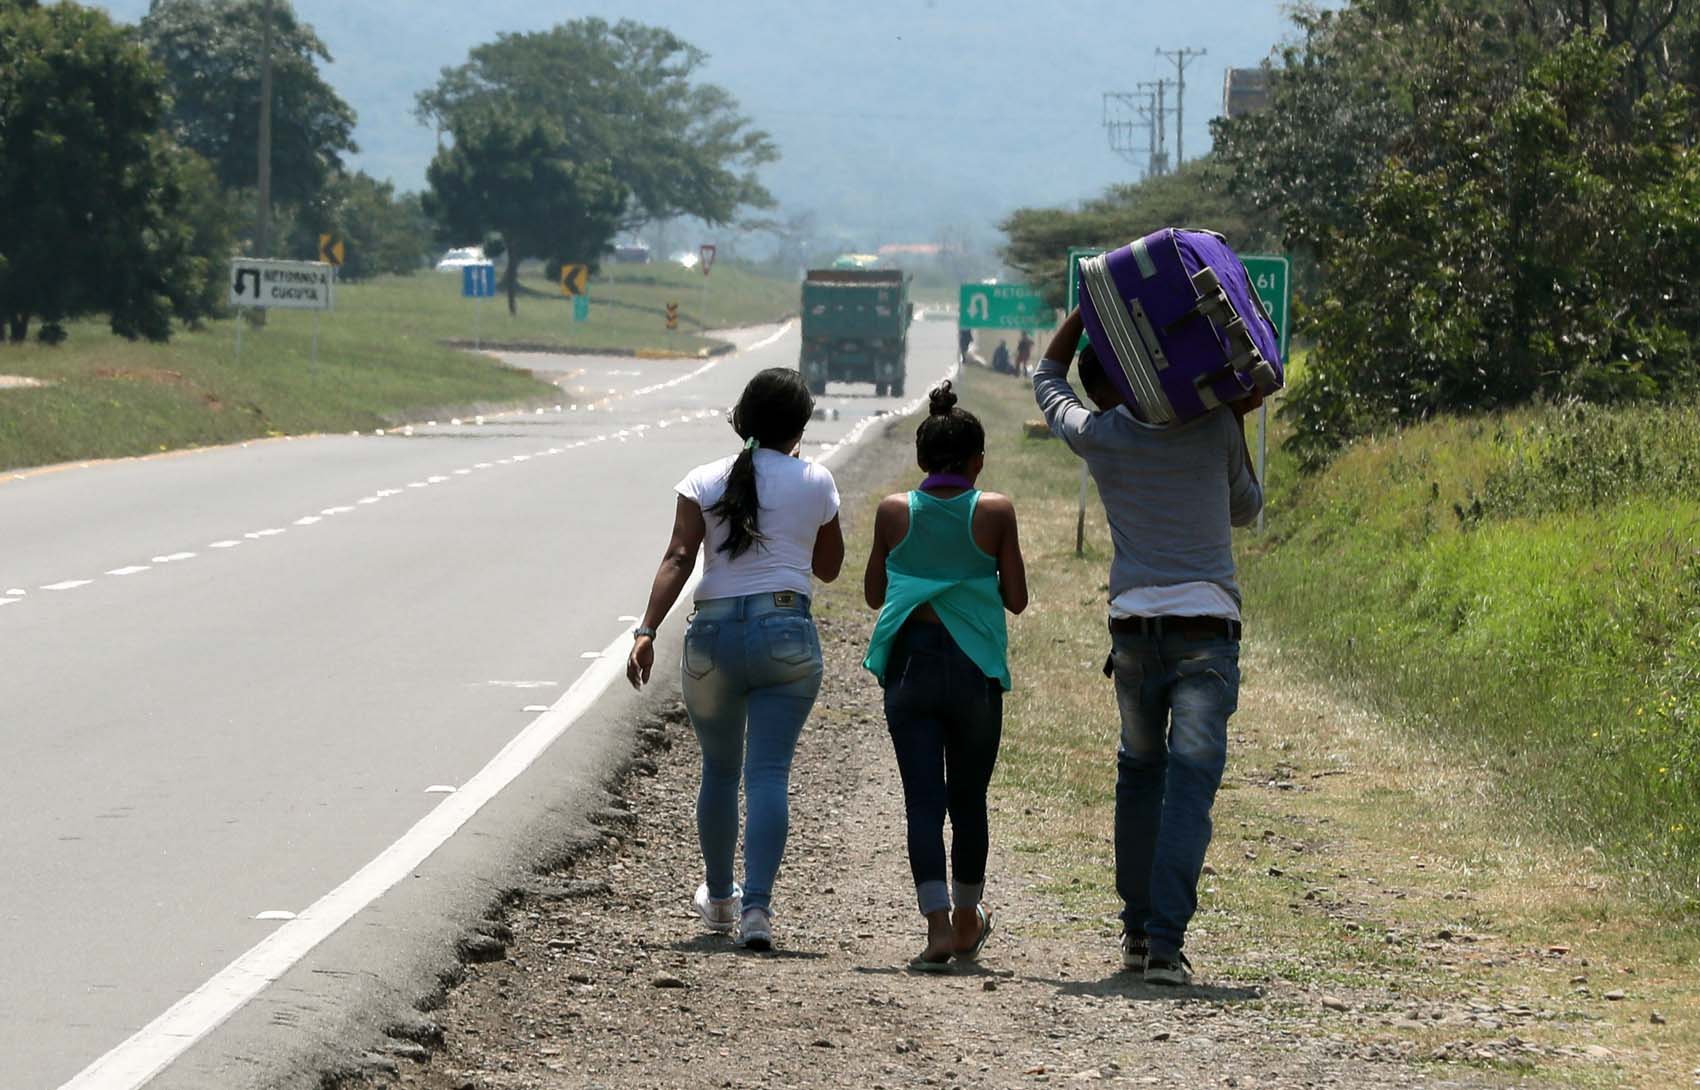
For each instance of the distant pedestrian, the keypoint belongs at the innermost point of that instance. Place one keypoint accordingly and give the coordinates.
(752, 658)
(945, 565)
(1024, 354)
(1000, 359)
(1171, 495)
(964, 342)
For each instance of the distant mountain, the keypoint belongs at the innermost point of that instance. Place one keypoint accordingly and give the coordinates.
(894, 117)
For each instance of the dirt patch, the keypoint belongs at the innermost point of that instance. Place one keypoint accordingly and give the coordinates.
(21, 382)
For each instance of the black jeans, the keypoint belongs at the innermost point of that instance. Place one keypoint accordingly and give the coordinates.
(946, 718)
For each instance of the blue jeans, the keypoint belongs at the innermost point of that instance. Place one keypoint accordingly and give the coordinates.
(752, 670)
(1175, 696)
(946, 719)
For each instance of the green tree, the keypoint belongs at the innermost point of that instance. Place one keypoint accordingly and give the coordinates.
(210, 50)
(1196, 195)
(1501, 196)
(101, 213)
(628, 95)
(518, 178)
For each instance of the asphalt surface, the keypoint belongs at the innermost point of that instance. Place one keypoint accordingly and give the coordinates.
(231, 678)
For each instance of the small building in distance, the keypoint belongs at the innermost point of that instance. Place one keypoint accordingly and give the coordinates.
(1245, 91)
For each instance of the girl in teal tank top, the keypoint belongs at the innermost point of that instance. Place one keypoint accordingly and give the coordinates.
(945, 565)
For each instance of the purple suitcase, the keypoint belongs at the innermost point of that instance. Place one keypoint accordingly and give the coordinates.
(1177, 325)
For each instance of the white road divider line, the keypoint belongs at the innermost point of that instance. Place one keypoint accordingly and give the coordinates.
(441, 789)
(173, 558)
(69, 584)
(336, 511)
(275, 914)
(150, 1049)
(258, 534)
(17, 592)
(133, 569)
(10, 601)
(308, 520)
(228, 544)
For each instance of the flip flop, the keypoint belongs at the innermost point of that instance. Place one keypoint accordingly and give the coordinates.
(986, 924)
(926, 965)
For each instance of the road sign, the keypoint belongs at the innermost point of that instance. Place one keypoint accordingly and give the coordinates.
(581, 307)
(1003, 306)
(1075, 255)
(285, 285)
(707, 255)
(1272, 277)
(331, 249)
(574, 279)
(672, 316)
(478, 281)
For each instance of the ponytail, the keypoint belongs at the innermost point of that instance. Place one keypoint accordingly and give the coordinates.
(773, 410)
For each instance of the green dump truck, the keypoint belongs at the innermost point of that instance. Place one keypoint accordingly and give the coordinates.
(856, 328)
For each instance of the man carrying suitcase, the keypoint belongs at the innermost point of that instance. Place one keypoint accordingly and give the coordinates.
(1171, 495)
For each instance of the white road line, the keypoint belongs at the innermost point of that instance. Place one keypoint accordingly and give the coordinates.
(10, 601)
(441, 789)
(258, 534)
(368, 500)
(173, 558)
(417, 484)
(523, 684)
(231, 544)
(435, 480)
(770, 338)
(16, 592)
(133, 569)
(275, 914)
(154, 1046)
(336, 511)
(535, 708)
(69, 584)
(463, 473)
(308, 520)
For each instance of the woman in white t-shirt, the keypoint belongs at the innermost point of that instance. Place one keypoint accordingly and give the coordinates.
(752, 661)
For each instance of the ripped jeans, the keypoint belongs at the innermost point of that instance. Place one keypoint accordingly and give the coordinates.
(752, 670)
(1175, 696)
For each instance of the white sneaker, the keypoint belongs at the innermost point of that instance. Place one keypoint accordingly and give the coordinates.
(755, 929)
(718, 914)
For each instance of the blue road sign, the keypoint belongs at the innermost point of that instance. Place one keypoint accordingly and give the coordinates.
(478, 281)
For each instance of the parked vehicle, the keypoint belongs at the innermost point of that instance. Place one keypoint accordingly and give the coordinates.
(856, 328)
(460, 257)
(631, 253)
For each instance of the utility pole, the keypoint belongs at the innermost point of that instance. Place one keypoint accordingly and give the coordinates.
(263, 235)
(1147, 105)
(1182, 58)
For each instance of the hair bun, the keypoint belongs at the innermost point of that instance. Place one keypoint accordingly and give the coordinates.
(941, 399)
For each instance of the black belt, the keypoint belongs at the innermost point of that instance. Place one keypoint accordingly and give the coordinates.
(1187, 628)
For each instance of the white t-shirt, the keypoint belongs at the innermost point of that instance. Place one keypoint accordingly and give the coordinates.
(797, 499)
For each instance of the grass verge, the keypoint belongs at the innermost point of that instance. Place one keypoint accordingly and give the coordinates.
(1363, 873)
(383, 355)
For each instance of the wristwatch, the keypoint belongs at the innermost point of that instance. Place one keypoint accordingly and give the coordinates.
(643, 630)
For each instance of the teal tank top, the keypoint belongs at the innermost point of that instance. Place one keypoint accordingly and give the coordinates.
(938, 563)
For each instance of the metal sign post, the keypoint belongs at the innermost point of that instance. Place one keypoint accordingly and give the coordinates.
(1075, 255)
(1271, 278)
(706, 256)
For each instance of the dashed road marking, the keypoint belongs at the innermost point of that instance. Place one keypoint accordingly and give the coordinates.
(69, 584)
(173, 558)
(229, 544)
(133, 569)
(275, 914)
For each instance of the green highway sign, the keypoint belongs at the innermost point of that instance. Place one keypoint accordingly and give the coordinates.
(1075, 254)
(1004, 306)
(1272, 278)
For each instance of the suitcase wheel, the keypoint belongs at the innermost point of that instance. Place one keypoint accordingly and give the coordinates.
(1206, 281)
(1264, 376)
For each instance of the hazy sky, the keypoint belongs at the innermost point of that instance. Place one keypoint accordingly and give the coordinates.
(893, 117)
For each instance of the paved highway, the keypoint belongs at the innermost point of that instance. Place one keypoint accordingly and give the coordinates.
(231, 678)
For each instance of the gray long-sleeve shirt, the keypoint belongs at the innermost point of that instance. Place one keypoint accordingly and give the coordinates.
(1171, 494)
